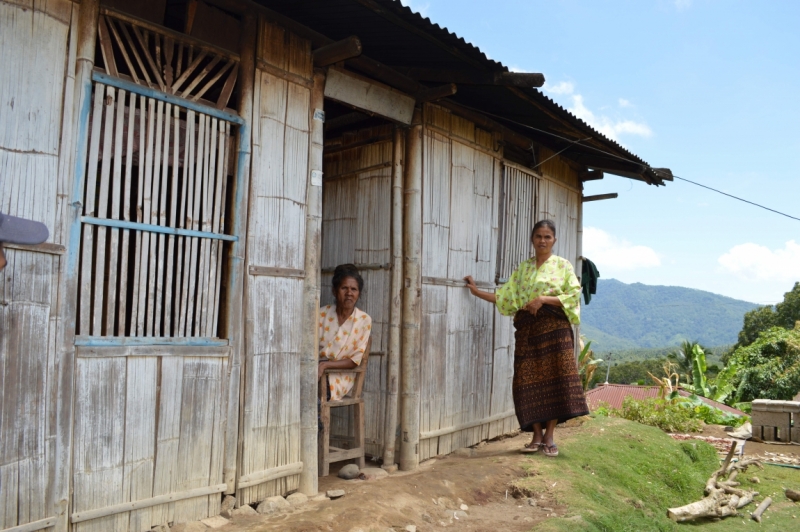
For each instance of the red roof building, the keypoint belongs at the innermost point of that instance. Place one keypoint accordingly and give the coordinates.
(614, 394)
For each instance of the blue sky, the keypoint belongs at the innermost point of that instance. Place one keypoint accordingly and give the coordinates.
(708, 88)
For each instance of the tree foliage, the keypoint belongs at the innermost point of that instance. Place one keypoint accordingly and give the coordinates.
(784, 315)
(768, 368)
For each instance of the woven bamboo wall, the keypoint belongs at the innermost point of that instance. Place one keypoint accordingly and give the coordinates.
(276, 237)
(35, 164)
(356, 228)
(465, 363)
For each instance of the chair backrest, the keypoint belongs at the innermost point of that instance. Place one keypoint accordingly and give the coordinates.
(361, 371)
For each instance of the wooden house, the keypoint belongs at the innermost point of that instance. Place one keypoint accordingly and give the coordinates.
(202, 165)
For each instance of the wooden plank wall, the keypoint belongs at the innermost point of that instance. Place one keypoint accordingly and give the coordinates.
(149, 421)
(461, 193)
(34, 62)
(270, 428)
(356, 228)
(559, 200)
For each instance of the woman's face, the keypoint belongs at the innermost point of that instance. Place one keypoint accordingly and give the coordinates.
(543, 240)
(347, 294)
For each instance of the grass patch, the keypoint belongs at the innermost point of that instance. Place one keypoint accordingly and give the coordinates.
(618, 475)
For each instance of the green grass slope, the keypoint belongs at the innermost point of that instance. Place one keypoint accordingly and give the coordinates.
(628, 316)
(616, 475)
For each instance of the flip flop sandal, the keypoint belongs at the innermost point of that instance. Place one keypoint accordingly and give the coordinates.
(531, 448)
(550, 450)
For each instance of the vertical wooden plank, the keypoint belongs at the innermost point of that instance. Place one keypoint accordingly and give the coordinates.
(171, 266)
(87, 242)
(201, 392)
(99, 441)
(114, 213)
(187, 207)
(162, 156)
(195, 243)
(155, 267)
(170, 400)
(140, 437)
(137, 247)
(144, 319)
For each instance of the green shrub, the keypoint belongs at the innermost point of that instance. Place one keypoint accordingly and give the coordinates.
(666, 415)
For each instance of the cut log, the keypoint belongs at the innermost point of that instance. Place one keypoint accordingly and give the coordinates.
(722, 498)
(793, 495)
(756, 516)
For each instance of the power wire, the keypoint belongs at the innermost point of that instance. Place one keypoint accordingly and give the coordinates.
(579, 142)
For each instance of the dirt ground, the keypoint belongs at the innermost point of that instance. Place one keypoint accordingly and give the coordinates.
(431, 496)
(427, 498)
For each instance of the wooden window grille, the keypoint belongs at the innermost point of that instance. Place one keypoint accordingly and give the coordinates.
(518, 212)
(157, 185)
(159, 58)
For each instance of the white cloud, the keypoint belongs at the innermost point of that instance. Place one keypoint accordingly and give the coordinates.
(683, 4)
(756, 262)
(606, 250)
(624, 103)
(610, 127)
(565, 87)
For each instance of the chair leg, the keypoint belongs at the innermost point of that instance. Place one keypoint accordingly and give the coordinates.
(358, 418)
(324, 442)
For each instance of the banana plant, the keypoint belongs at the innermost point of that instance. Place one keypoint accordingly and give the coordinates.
(587, 365)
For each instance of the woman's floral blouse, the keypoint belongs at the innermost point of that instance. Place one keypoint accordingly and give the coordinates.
(555, 278)
(342, 342)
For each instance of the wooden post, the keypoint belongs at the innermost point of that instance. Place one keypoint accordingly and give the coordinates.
(579, 270)
(309, 358)
(234, 299)
(68, 285)
(412, 296)
(396, 308)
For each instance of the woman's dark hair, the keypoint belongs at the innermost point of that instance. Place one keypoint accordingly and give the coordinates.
(544, 223)
(342, 272)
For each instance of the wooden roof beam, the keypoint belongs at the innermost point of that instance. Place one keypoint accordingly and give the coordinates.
(338, 51)
(599, 197)
(590, 175)
(507, 79)
(436, 93)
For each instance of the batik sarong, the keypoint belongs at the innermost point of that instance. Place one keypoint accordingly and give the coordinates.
(546, 383)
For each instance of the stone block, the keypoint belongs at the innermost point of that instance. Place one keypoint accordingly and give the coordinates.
(216, 521)
(228, 503)
(770, 419)
(296, 499)
(272, 505)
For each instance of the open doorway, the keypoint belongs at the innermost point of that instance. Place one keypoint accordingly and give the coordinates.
(356, 228)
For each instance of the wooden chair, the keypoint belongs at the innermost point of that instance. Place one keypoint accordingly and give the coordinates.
(328, 454)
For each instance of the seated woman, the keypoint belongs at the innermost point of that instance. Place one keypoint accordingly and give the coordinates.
(343, 331)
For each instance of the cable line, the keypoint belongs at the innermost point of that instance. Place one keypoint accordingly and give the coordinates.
(580, 141)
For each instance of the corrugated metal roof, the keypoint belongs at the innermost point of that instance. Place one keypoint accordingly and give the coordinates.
(401, 38)
(614, 394)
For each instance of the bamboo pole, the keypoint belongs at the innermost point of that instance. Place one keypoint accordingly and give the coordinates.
(234, 300)
(309, 477)
(86, 29)
(396, 306)
(412, 296)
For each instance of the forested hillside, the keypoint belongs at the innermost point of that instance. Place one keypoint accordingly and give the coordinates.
(629, 316)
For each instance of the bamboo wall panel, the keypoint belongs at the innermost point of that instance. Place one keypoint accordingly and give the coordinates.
(561, 204)
(461, 211)
(162, 165)
(356, 228)
(276, 239)
(34, 62)
(558, 169)
(147, 426)
(518, 218)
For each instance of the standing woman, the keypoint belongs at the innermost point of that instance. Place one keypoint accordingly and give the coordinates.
(343, 332)
(543, 295)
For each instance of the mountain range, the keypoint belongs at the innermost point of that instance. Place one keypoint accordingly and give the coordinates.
(630, 316)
